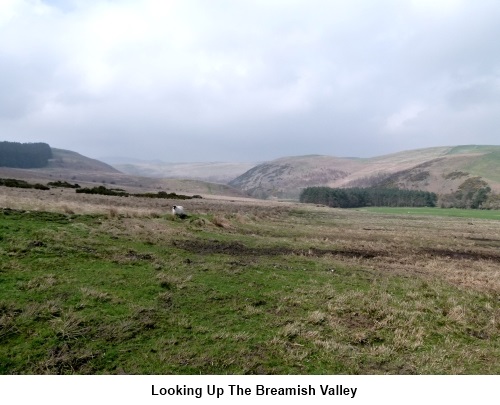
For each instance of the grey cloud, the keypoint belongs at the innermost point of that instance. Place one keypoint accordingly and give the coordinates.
(250, 80)
(475, 95)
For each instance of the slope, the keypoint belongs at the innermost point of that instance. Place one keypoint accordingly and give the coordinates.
(75, 168)
(440, 169)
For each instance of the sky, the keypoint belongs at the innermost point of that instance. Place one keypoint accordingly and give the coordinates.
(249, 80)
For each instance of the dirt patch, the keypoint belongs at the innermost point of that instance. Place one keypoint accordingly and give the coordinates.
(67, 360)
(229, 248)
(356, 320)
(485, 242)
(460, 255)
(133, 255)
(352, 253)
(235, 248)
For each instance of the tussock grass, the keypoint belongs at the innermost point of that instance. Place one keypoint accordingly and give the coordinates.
(110, 288)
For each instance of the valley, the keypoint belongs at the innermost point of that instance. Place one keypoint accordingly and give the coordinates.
(108, 284)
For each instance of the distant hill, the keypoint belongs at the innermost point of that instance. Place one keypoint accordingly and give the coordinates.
(285, 177)
(66, 159)
(441, 170)
(215, 172)
(70, 166)
(448, 171)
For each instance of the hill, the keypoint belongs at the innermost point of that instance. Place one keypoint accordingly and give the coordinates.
(73, 167)
(441, 170)
(69, 160)
(216, 172)
(446, 170)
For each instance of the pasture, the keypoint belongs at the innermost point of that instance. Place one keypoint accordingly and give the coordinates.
(114, 285)
(440, 212)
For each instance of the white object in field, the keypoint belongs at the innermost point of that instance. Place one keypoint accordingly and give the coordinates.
(178, 210)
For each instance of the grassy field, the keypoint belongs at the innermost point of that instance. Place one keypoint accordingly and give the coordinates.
(113, 285)
(440, 212)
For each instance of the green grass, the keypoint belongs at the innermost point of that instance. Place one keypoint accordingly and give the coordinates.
(487, 162)
(486, 166)
(473, 149)
(97, 295)
(442, 212)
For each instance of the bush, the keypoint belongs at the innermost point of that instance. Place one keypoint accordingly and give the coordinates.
(122, 193)
(64, 184)
(21, 184)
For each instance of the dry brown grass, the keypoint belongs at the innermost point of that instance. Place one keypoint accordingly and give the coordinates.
(303, 284)
(461, 252)
(374, 294)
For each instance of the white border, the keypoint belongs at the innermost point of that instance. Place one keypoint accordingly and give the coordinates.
(135, 390)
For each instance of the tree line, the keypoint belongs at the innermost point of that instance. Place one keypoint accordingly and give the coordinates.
(21, 184)
(118, 192)
(101, 190)
(24, 155)
(364, 197)
(473, 193)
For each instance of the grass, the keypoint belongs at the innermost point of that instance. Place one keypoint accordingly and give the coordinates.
(486, 166)
(440, 212)
(294, 289)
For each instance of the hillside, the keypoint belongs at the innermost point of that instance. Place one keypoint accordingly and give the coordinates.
(441, 170)
(216, 172)
(75, 168)
(69, 160)
(285, 177)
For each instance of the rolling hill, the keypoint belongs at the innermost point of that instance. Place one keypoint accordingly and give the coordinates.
(68, 160)
(75, 168)
(215, 172)
(441, 170)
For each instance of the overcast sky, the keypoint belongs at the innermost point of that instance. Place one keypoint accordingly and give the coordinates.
(249, 80)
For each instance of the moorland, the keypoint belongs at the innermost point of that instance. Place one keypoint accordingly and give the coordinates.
(94, 284)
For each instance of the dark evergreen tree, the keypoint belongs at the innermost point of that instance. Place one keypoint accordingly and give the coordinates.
(363, 197)
(24, 155)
